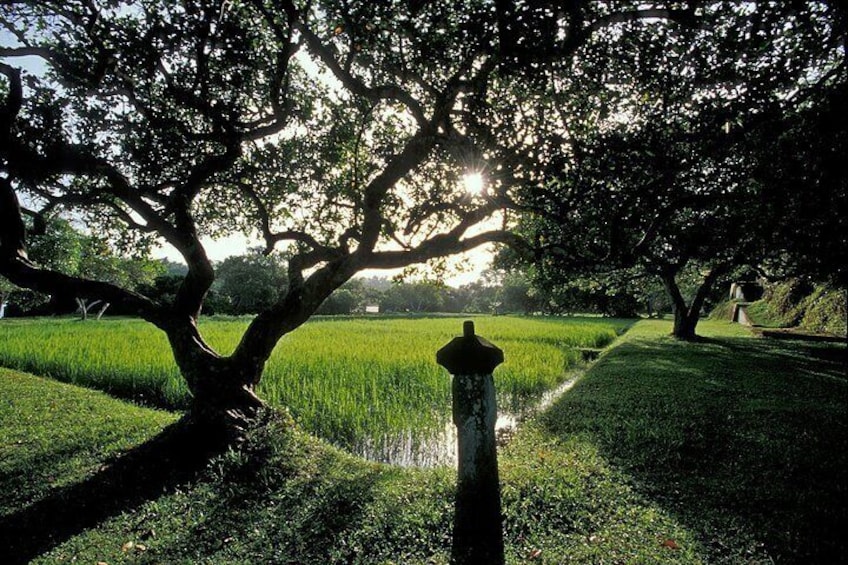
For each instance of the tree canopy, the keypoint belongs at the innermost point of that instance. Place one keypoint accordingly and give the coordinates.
(668, 162)
(339, 132)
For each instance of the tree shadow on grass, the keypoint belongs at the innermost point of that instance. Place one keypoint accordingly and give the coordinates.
(823, 359)
(173, 457)
(258, 509)
(744, 441)
(24, 480)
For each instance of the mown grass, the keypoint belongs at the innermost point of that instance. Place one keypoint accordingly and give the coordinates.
(730, 450)
(743, 440)
(53, 434)
(346, 380)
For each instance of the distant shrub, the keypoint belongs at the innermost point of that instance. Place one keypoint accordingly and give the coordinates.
(799, 303)
(762, 313)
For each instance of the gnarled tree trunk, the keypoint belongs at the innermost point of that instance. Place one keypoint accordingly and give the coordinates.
(222, 389)
(686, 316)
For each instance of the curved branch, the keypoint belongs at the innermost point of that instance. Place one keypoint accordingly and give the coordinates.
(30, 51)
(25, 274)
(413, 154)
(441, 245)
(76, 160)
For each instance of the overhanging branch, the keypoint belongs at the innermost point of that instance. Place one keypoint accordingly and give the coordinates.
(439, 246)
(15, 266)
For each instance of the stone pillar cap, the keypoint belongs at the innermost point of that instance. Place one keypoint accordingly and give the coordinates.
(469, 354)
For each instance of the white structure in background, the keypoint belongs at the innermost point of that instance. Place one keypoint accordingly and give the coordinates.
(372, 309)
(740, 315)
(743, 293)
(3, 308)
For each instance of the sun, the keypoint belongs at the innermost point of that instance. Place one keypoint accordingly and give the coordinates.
(473, 183)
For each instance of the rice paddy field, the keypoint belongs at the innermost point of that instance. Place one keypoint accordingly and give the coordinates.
(352, 381)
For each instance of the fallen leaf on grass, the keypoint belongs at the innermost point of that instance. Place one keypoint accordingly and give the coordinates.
(671, 544)
(535, 554)
(127, 546)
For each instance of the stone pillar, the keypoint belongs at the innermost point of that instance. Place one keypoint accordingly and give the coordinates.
(477, 529)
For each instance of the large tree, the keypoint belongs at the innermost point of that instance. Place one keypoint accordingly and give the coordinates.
(662, 165)
(339, 130)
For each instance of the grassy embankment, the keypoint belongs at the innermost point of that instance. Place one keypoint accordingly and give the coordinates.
(346, 380)
(796, 304)
(730, 450)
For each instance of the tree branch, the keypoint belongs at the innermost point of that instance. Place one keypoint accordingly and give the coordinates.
(413, 154)
(355, 85)
(439, 246)
(15, 266)
(13, 102)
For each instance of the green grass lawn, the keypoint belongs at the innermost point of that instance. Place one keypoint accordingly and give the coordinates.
(744, 440)
(729, 450)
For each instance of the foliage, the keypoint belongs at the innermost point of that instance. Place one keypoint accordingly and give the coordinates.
(762, 313)
(666, 159)
(350, 298)
(249, 283)
(619, 294)
(801, 164)
(422, 296)
(67, 249)
(498, 293)
(784, 298)
(59, 247)
(723, 311)
(346, 380)
(826, 310)
(780, 305)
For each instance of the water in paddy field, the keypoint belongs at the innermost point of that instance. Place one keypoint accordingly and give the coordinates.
(416, 449)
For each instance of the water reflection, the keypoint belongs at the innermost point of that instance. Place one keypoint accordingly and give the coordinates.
(438, 448)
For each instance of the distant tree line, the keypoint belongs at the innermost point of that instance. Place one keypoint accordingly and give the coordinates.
(248, 283)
